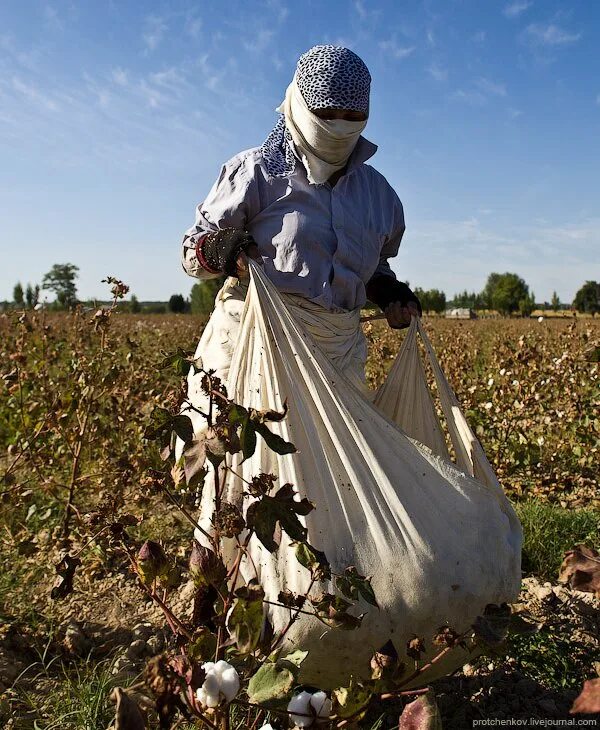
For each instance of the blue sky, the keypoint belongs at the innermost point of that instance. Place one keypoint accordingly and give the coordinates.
(116, 116)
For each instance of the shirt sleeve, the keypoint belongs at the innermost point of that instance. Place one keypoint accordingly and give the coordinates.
(232, 201)
(392, 241)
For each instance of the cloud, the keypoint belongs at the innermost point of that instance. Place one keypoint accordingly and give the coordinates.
(193, 26)
(479, 37)
(393, 49)
(154, 31)
(260, 40)
(33, 94)
(549, 35)
(438, 72)
(598, 100)
(490, 88)
(514, 9)
(549, 257)
(430, 37)
(119, 76)
(469, 96)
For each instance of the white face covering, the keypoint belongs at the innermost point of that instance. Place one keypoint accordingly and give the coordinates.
(324, 144)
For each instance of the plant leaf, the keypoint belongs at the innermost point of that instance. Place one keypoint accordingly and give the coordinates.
(272, 681)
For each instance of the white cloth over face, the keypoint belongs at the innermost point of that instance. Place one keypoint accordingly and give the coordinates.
(323, 144)
(438, 543)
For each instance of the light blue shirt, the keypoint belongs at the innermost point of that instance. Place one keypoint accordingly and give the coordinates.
(320, 242)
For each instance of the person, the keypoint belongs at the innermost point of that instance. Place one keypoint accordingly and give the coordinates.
(321, 221)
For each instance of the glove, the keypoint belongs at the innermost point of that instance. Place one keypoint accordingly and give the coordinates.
(383, 290)
(217, 252)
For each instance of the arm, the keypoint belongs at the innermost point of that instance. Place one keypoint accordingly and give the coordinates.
(231, 203)
(393, 297)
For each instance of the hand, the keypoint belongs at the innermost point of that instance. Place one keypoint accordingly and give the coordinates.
(399, 315)
(241, 261)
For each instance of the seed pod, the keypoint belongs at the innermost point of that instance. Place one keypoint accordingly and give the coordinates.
(205, 566)
(151, 561)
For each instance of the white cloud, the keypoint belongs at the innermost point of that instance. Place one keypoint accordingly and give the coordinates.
(490, 87)
(260, 40)
(514, 9)
(154, 31)
(548, 257)
(430, 37)
(469, 96)
(393, 49)
(33, 94)
(193, 26)
(119, 76)
(479, 37)
(438, 72)
(598, 100)
(549, 34)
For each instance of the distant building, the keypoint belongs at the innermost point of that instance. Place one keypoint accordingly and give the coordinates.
(460, 313)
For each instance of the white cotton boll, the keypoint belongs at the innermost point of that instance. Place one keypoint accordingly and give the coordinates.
(201, 696)
(300, 704)
(212, 700)
(221, 666)
(321, 705)
(267, 727)
(230, 684)
(208, 667)
(212, 684)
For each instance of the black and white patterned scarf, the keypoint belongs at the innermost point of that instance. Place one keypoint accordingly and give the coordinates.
(328, 77)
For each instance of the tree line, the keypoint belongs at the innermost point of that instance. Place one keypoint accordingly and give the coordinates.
(504, 293)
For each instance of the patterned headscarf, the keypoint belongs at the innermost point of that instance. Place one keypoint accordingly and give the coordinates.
(328, 77)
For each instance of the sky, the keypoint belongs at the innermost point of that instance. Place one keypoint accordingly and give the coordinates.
(116, 116)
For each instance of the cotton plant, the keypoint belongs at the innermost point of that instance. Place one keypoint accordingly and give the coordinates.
(309, 709)
(221, 685)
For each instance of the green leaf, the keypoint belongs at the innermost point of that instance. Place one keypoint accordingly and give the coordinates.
(178, 361)
(246, 620)
(273, 681)
(273, 440)
(182, 425)
(351, 584)
(351, 701)
(264, 514)
(314, 560)
(247, 438)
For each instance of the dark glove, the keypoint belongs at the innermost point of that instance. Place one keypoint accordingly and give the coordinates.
(383, 290)
(218, 251)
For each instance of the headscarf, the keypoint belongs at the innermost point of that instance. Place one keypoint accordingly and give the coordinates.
(326, 77)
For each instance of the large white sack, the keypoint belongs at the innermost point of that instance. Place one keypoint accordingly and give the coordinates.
(438, 544)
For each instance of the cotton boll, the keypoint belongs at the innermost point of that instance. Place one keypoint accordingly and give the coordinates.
(221, 666)
(321, 704)
(212, 684)
(300, 704)
(230, 684)
(212, 700)
(208, 667)
(201, 696)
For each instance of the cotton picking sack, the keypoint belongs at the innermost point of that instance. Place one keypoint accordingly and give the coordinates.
(439, 540)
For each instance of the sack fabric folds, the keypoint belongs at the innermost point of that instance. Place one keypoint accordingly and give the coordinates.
(439, 540)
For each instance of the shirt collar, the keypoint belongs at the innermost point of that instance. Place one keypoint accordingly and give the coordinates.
(363, 151)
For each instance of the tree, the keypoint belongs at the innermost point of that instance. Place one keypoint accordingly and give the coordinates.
(134, 305)
(61, 280)
(18, 295)
(202, 296)
(504, 292)
(527, 305)
(587, 298)
(555, 303)
(469, 301)
(32, 295)
(432, 300)
(177, 304)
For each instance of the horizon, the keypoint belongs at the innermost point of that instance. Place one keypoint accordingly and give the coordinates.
(115, 121)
